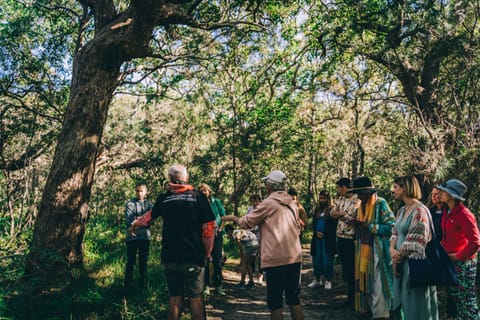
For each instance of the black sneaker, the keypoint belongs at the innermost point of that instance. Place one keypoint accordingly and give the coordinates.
(241, 285)
(250, 285)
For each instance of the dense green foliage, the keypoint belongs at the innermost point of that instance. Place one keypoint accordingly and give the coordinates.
(318, 89)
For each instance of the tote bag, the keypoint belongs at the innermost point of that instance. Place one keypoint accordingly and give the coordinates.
(436, 269)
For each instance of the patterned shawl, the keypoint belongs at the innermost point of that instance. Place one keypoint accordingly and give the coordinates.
(366, 238)
(419, 233)
(373, 239)
(364, 254)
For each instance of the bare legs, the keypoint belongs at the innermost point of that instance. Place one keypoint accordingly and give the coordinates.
(295, 310)
(175, 307)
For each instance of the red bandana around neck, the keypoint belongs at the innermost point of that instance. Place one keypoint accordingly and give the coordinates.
(179, 188)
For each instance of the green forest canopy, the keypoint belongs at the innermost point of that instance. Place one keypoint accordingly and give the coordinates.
(320, 90)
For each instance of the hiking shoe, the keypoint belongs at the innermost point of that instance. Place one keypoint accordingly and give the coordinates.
(250, 285)
(328, 285)
(220, 291)
(206, 291)
(315, 284)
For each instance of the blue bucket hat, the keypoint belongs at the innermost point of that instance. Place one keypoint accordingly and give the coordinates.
(454, 187)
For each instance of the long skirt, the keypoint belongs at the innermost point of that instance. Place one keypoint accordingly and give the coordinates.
(322, 261)
(415, 303)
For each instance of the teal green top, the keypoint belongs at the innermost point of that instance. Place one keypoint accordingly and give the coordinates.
(218, 210)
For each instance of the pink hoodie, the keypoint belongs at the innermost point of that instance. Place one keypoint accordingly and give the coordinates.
(279, 229)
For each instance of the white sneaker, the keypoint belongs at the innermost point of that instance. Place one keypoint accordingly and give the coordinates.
(260, 279)
(328, 285)
(206, 291)
(314, 284)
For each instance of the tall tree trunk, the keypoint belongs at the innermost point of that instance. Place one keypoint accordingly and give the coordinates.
(119, 37)
(60, 225)
(57, 242)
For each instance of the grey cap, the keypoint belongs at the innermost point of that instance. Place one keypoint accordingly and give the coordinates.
(275, 176)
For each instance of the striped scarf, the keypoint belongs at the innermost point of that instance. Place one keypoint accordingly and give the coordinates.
(364, 255)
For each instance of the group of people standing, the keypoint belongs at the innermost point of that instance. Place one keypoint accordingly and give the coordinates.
(372, 242)
(374, 246)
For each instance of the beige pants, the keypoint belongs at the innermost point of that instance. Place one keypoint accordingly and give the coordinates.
(379, 306)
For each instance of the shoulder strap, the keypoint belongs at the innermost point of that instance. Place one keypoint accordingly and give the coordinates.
(293, 212)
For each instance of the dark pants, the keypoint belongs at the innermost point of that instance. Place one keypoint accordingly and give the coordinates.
(142, 247)
(217, 277)
(346, 251)
(283, 281)
(184, 279)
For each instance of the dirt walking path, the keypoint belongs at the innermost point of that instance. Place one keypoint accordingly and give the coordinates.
(250, 304)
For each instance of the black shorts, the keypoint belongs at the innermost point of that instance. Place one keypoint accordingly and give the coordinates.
(184, 279)
(283, 279)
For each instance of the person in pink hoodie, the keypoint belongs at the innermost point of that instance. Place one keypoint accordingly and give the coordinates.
(278, 220)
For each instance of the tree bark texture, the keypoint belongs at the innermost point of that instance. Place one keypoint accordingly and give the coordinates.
(60, 225)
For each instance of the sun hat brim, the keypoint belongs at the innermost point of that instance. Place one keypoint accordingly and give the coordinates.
(450, 192)
(364, 190)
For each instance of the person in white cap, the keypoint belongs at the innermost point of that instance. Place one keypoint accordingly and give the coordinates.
(278, 220)
(461, 240)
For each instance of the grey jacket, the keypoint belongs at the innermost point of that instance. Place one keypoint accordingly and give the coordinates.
(133, 209)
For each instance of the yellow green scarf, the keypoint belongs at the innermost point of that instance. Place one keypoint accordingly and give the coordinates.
(364, 254)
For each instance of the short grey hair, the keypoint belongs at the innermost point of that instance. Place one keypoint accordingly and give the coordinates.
(177, 173)
(276, 186)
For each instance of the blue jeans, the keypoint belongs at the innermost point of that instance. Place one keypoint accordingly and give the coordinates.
(322, 261)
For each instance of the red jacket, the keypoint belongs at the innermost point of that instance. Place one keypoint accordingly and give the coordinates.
(460, 233)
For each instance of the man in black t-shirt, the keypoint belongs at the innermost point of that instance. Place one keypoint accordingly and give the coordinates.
(187, 240)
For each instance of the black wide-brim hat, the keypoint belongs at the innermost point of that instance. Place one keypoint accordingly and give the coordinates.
(362, 185)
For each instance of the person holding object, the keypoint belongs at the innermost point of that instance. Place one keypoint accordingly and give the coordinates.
(461, 240)
(187, 241)
(281, 252)
(344, 210)
(373, 272)
(140, 241)
(410, 236)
